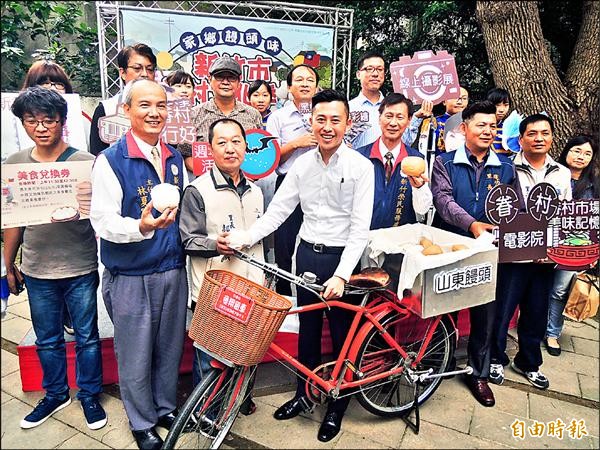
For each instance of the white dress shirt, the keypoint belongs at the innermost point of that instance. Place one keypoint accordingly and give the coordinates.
(288, 124)
(336, 199)
(107, 196)
(422, 198)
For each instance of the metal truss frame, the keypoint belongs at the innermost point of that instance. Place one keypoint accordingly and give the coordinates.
(110, 34)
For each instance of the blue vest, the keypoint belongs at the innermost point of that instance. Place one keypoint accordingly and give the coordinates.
(137, 176)
(393, 201)
(498, 169)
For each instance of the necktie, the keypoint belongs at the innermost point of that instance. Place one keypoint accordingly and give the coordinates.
(389, 166)
(157, 163)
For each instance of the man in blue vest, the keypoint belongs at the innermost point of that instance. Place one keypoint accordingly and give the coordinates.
(144, 284)
(460, 182)
(398, 197)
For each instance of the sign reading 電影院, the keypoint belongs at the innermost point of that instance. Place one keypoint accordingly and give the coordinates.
(39, 193)
(265, 49)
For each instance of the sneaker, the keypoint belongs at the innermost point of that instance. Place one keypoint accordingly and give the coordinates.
(44, 409)
(537, 379)
(94, 413)
(496, 373)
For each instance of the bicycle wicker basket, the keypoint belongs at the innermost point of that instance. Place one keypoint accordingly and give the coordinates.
(242, 344)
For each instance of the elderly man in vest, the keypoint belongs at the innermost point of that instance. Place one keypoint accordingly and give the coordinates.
(144, 284)
(221, 200)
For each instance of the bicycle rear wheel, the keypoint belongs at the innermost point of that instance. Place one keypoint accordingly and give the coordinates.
(211, 409)
(394, 396)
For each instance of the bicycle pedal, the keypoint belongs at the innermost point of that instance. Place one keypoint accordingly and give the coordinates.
(352, 368)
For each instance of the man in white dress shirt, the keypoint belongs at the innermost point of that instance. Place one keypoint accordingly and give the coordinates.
(291, 126)
(144, 283)
(334, 186)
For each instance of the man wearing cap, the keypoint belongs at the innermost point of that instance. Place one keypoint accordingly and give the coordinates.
(224, 77)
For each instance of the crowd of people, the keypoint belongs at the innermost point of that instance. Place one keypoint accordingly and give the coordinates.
(328, 195)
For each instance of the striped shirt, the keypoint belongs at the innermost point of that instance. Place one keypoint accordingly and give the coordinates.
(208, 112)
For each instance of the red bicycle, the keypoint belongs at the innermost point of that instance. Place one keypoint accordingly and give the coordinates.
(392, 360)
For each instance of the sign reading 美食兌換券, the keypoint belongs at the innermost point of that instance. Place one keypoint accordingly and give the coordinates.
(40, 193)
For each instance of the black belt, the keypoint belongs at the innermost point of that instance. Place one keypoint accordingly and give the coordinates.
(321, 248)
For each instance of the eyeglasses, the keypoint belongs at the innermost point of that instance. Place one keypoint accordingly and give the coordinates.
(139, 68)
(222, 77)
(579, 153)
(52, 84)
(371, 69)
(49, 124)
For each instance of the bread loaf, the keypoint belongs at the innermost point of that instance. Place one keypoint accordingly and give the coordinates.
(433, 250)
(413, 166)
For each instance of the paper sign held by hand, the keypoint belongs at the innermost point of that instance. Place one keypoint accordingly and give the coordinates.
(426, 76)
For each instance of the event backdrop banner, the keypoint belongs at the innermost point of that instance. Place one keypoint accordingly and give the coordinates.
(265, 49)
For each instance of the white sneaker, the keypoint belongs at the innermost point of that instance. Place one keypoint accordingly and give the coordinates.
(537, 378)
(496, 373)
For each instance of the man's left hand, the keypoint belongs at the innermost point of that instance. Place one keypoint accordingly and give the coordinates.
(334, 288)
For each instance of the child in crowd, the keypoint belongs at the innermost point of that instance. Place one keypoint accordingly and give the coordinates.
(501, 99)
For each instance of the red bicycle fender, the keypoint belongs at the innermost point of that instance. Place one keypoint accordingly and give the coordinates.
(360, 338)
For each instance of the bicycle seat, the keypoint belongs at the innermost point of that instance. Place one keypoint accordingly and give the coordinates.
(371, 278)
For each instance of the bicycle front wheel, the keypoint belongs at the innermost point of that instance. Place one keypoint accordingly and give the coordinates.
(430, 344)
(211, 409)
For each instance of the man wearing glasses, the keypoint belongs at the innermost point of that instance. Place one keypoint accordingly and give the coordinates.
(224, 77)
(135, 61)
(364, 108)
(60, 268)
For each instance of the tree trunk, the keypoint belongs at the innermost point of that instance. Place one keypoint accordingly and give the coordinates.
(521, 64)
(583, 75)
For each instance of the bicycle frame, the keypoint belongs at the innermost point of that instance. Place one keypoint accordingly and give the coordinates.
(341, 378)
(372, 312)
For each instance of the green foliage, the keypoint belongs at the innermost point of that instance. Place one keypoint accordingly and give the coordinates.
(58, 33)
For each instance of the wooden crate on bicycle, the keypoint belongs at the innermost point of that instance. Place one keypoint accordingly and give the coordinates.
(436, 270)
(235, 318)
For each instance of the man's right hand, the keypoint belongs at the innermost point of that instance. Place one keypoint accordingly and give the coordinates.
(148, 223)
(13, 279)
(478, 228)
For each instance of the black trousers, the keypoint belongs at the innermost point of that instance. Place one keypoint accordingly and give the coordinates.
(527, 285)
(481, 318)
(311, 323)
(285, 242)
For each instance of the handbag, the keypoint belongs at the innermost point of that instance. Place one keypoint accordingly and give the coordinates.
(583, 298)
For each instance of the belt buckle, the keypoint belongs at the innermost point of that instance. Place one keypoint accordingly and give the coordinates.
(318, 248)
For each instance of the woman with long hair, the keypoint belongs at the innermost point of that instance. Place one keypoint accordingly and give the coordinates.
(580, 156)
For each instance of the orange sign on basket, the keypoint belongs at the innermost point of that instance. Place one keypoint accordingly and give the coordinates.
(236, 306)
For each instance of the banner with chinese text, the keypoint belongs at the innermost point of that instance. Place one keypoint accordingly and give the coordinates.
(265, 49)
(38, 193)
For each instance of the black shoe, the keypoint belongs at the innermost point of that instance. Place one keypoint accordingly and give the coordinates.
(167, 420)
(552, 351)
(147, 439)
(330, 427)
(292, 408)
(248, 407)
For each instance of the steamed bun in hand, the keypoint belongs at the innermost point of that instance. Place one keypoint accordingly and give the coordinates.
(165, 196)
(238, 239)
